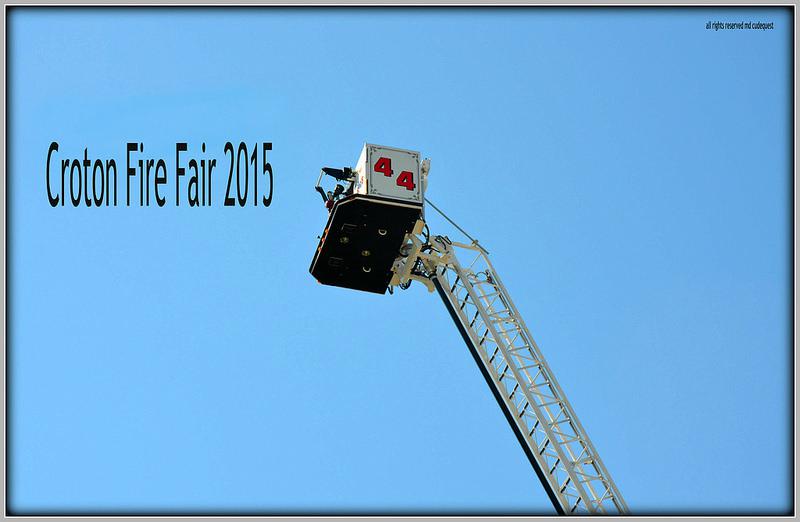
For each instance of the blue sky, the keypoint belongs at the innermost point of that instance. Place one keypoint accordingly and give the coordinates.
(629, 171)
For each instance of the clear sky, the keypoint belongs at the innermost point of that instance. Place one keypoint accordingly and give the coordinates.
(629, 171)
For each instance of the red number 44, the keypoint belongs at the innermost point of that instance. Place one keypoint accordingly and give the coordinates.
(405, 179)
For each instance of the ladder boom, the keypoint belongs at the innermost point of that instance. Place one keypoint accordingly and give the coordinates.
(521, 380)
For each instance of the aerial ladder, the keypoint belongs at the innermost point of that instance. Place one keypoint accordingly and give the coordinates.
(377, 239)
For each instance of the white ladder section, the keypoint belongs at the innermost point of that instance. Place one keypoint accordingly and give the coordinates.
(559, 449)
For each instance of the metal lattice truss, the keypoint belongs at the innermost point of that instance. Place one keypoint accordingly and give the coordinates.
(554, 440)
